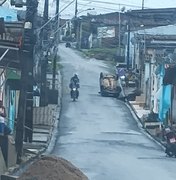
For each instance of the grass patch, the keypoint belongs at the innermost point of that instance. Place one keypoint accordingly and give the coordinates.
(101, 53)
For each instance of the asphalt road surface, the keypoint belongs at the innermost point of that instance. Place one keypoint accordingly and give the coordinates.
(99, 134)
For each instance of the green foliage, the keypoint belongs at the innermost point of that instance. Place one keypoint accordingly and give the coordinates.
(51, 63)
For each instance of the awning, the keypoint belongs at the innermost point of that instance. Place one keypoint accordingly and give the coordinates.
(12, 75)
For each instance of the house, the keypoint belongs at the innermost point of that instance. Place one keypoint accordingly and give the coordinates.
(110, 30)
(10, 42)
(102, 30)
(152, 51)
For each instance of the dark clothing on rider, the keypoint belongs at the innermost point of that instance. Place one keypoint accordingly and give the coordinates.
(74, 81)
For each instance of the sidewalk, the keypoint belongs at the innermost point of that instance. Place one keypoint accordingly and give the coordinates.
(153, 128)
(45, 119)
(43, 124)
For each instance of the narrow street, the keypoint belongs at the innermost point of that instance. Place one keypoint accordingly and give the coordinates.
(99, 134)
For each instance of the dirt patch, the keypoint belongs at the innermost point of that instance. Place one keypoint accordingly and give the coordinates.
(52, 168)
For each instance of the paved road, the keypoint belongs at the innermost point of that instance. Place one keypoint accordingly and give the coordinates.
(99, 135)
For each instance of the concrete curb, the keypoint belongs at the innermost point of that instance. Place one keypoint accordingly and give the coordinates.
(54, 134)
(139, 122)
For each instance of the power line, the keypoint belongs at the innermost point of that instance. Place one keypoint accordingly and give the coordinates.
(100, 7)
(111, 3)
(55, 15)
(64, 3)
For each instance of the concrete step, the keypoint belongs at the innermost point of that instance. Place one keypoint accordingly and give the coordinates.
(41, 131)
(38, 137)
(8, 177)
(34, 145)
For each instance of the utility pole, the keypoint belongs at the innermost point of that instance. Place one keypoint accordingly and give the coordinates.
(26, 91)
(43, 97)
(30, 17)
(80, 34)
(21, 109)
(57, 20)
(57, 15)
(76, 23)
(142, 4)
(119, 32)
(76, 8)
(128, 45)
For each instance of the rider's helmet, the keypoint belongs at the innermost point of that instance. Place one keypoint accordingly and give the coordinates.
(75, 75)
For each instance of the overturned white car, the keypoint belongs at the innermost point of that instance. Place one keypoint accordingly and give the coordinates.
(109, 85)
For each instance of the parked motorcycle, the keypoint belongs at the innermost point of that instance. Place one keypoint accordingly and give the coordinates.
(171, 143)
(67, 45)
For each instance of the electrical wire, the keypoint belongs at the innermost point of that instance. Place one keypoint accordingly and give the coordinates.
(100, 7)
(83, 6)
(106, 2)
(39, 29)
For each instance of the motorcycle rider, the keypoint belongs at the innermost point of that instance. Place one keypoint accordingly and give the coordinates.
(75, 79)
(74, 82)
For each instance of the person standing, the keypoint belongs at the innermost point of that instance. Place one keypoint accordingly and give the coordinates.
(2, 118)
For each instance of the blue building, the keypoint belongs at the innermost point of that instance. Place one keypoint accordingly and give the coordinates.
(9, 15)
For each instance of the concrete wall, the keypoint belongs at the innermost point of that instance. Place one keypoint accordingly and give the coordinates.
(2, 163)
(43, 115)
(7, 145)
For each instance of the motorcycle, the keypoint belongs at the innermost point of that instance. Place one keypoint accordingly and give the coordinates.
(171, 144)
(67, 45)
(74, 91)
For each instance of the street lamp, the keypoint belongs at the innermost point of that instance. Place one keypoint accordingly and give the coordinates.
(142, 4)
(76, 9)
(89, 9)
(120, 10)
(142, 25)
